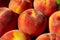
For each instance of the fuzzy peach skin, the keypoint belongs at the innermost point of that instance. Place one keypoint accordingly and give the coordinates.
(2, 39)
(48, 36)
(19, 6)
(54, 22)
(15, 35)
(4, 3)
(32, 22)
(46, 6)
(8, 20)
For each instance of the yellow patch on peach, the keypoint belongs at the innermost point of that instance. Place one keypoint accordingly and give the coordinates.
(18, 9)
(18, 35)
(33, 13)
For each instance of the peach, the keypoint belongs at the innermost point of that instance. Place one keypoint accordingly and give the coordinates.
(32, 22)
(15, 35)
(8, 20)
(19, 6)
(48, 36)
(2, 39)
(4, 3)
(54, 22)
(46, 6)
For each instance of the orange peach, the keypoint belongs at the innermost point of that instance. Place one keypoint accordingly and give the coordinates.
(4, 3)
(19, 6)
(2, 39)
(32, 22)
(48, 36)
(15, 35)
(54, 22)
(8, 20)
(46, 6)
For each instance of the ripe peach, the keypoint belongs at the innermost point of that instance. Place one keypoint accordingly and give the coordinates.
(4, 3)
(32, 22)
(48, 36)
(15, 35)
(8, 20)
(19, 6)
(54, 22)
(2, 39)
(46, 6)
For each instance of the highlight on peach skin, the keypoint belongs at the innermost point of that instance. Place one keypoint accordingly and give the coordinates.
(32, 22)
(48, 36)
(54, 23)
(46, 6)
(15, 35)
(8, 20)
(19, 6)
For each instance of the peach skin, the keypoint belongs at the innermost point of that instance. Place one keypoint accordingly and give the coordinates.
(48, 36)
(54, 23)
(32, 22)
(19, 6)
(8, 20)
(46, 6)
(15, 35)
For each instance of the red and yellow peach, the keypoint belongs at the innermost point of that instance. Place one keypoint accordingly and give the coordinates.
(15, 35)
(19, 6)
(32, 22)
(46, 6)
(54, 23)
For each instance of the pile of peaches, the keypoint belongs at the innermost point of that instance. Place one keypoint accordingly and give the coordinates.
(29, 20)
